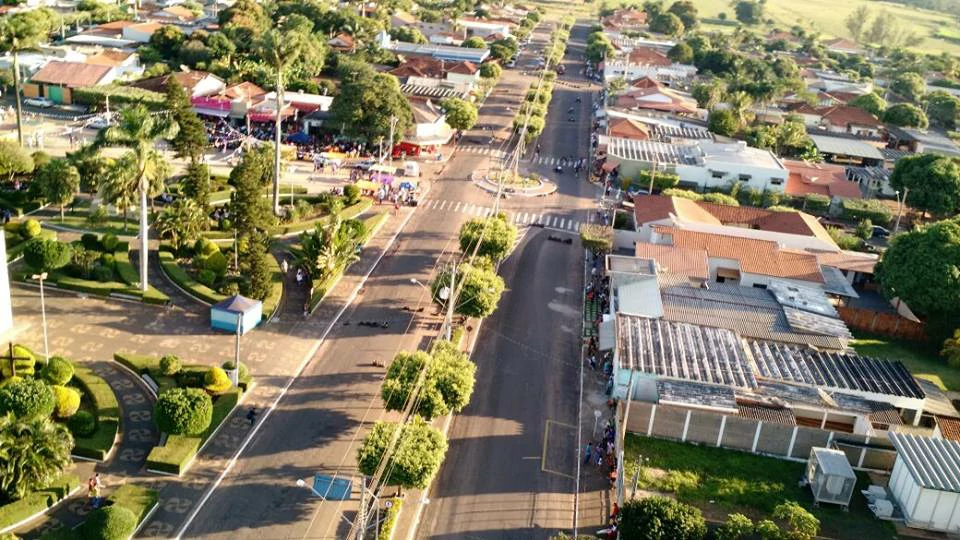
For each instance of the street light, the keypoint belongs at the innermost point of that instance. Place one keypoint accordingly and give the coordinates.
(43, 314)
(900, 203)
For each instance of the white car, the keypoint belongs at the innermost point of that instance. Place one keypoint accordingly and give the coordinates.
(97, 122)
(41, 102)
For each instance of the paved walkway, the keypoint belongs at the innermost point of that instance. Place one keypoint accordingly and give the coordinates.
(138, 436)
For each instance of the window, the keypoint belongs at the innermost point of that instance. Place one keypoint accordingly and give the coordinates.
(759, 286)
(776, 181)
(721, 279)
(717, 174)
(744, 177)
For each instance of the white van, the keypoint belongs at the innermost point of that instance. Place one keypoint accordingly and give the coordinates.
(411, 168)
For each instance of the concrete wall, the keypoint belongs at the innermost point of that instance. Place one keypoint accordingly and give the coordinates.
(698, 426)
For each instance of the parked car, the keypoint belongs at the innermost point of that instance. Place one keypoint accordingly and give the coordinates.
(97, 122)
(880, 232)
(41, 102)
(512, 63)
(364, 165)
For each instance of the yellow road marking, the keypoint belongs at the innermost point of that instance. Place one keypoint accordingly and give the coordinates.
(546, 437)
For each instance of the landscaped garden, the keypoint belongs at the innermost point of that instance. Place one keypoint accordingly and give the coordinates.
(119, 517)
(192, 401)
(721, 482)
(48, 411)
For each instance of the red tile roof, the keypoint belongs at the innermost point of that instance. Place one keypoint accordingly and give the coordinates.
(765, 220)
(648, 208)
(70, 74)
(188, 79)
(848, 260)
(819, 178)
(845, 115)
(755, 256)
(243, 90)
(676, 260)
(109, 57)
(627, 128)
(424, 66)
(949, 428)
(649, 56)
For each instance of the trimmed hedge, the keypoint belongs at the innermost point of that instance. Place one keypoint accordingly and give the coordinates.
(860, 209)
(184, 411)
(37, 501)
(15, 248)
(125, 269)
(349, 212)
(390, 519)
(99, 444)
(137, 499)
(112, 522)
(179, 276)
(175, 456)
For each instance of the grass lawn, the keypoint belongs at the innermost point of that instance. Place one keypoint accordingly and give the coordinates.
(112, 225)
(919, 359)
(721, 482)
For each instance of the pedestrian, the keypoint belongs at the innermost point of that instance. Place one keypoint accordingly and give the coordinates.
(587, 452)
(252, 415)
(284, 266)
(299, 276)
(94, 485)
(599, 459)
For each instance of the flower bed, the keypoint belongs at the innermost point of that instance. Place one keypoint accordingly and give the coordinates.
(176, 455)
(38, 501)
(100, 442)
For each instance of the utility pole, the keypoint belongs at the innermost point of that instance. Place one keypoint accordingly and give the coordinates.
(900, 204)
(235, 373)
(451, 300)
(653, 175)
(620, 440)
(389, 149)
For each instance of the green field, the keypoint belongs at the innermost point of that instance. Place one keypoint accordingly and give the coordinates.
(826, 17)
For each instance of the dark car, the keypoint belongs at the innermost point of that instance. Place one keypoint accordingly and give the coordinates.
(880, 232)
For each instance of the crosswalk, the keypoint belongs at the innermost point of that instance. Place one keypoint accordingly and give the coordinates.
(539, 159)
(481, 150)
(517, 218)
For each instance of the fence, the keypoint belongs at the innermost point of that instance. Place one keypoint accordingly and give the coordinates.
(749, 435)
(885, 324)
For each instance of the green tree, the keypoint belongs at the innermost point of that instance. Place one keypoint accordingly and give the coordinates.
(46, 255)
(906, 115)
(494, 234)
(20, 32)
(330, 247)
(490, 70)
(474, 42)
(14, 160)
(708, 94)
(138, 131)
(667, 23)
(191, 139)
(460, 114)
(59, 182)
(366, 103)
(933, 182)
(736, 527)
(447, 381)
(478, 290)
(681, 53)
(722, 122)
(32, 454)
(942, 108)
(687, 12)
(183, 411)
(856, 21)
(749, 11)
(256, 268)
(418, 451)
(931, 288)
(800, 523)
(408, 34)
(249, 210)
(870, 102)
(109, 523)
(196, 184)
(599, 47)
(26, 399)
(864, 229)
(951, 349)
(181, 222)
(661, 518)
(167, 41)
(909, 86)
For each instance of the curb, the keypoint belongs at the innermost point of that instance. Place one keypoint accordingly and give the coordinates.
(43, 512)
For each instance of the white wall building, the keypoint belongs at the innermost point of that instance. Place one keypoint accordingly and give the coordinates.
(480, 28)
(925, 481)
(631, 71)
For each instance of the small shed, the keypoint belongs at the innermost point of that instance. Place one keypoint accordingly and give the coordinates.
(925, 481)
(228, 313)
(830, 476)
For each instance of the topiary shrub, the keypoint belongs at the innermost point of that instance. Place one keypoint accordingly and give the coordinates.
(351, 194)
(30, 229)
(659, 517)
(90, 241)
(205, 247)
(25, 366)
(82, 424)
(207, 277)
(108, 260)
(68, 401)
(109, 523)
(45, 255)
(58, 370)
(183, 411)
(216, 263)
(102, 273)
(244, 372)
(27, 399)
(170, 364)
(109, 242)
(216, 381)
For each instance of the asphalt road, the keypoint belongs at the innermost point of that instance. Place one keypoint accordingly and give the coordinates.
(510, 469)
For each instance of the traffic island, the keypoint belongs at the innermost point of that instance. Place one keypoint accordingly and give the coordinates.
(515, 184)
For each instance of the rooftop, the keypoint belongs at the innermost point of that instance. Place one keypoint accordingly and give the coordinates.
(931, 142)
(933, 463)
(70, 74)
(819, 178)
(766, 412)
(692, 393)
(682, 351)
(676, 260)
(840, 146)
(188, 79)
(648, 56)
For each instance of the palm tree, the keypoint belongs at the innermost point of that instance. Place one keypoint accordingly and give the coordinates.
(20, 32)
(331, 246)
(279, 50)
(32, 454)
(740, 103)
(181, 222)
(138, 130)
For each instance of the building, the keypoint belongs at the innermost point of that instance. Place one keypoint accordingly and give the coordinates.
(614, 68)
(430, 128)
(704, 164)
(462, 74)
(57, 80)
(342, 42)
(842, 46)
(196, 83)
(925, 482)
(840, 119)
(641, 126)
(847, 151)
(440, 52)
(484, 27)
(624, 20)
(400, 19)
(923, 142)
(807, 178)
(234, 101)
(649, 94)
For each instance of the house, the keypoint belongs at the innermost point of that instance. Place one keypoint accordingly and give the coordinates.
(440, 52)
(842, 46)
(658, 98)
(178, 15)
(109, 34)
(456, 72)
(484, 27)
(56, 80)
(234, 101)
(624, 20)
(196, 83)
(846, 150)
(638, 126)
(925, 482)
(430, 128)
(705, 164)
(400, 19)
(840, 119)
(614, 68)
(819, 179)
(626, 44)
(442, 32)
(114, 58)
(922, 142)
(830, 81)
(342, 42)
(141, 32)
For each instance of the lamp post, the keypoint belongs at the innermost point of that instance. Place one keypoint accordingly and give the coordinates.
(235, 373)
(43, 314)
(900, 203)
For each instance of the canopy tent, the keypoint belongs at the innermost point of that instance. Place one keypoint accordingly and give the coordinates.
(382, 178)
(236, 311)
(408, 184)
(366, 185)
(299, 138)
(383, 169)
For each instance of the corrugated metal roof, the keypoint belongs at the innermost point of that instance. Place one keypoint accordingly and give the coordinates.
(933, 463)
(845, 147)
(696, 394)
(766, 412)
(650, 151)
(431, 91)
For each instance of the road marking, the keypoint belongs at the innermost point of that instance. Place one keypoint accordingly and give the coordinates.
(540, 219)
(563, 224)
(546, 437)
(531, 457)
(442, 205)
(549, 221)
(457, 208)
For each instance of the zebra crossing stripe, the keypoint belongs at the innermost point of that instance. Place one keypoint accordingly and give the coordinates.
(457, 208)
(540, 219)
(563, 224)
(442, 205)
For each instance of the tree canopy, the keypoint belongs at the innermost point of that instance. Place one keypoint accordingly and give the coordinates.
(416, 458)
(933, 181)
(686, 11)
(920, 268)
(447, 383)
(681, 53)
(870, 102)
(909, 85)
(906, 115)
(191, 138)
(667, 23)
(495, 235)
(478, 290)
(749, 11)
(461, 114)
(14, 160)
(942, 108)
(366, 103)
(661, 518)
(722, 122)
(59, 182)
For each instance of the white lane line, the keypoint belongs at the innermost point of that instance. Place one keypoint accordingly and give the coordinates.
(457, 208)
(540, 219)
(549, 221)
(442, 205)
(573, 225)
(563, 224)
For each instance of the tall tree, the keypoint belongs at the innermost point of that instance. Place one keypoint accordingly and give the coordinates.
(477, 293)
(21, 32)
(196, 184)
(138, 131)
(920, 268)
(460, 114)
(870, 102)
(909, 86)
(687, 11)
(14, 160)
(330, 247)
(933, 182)
(279, 49)
(906, 115)
(856, 21)
(32, 454)
(59, 182)
(943, 108)
(181, 222)
(418, 451)
(191, 139)
(367, 102)
(249, 210)
(446, 386)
